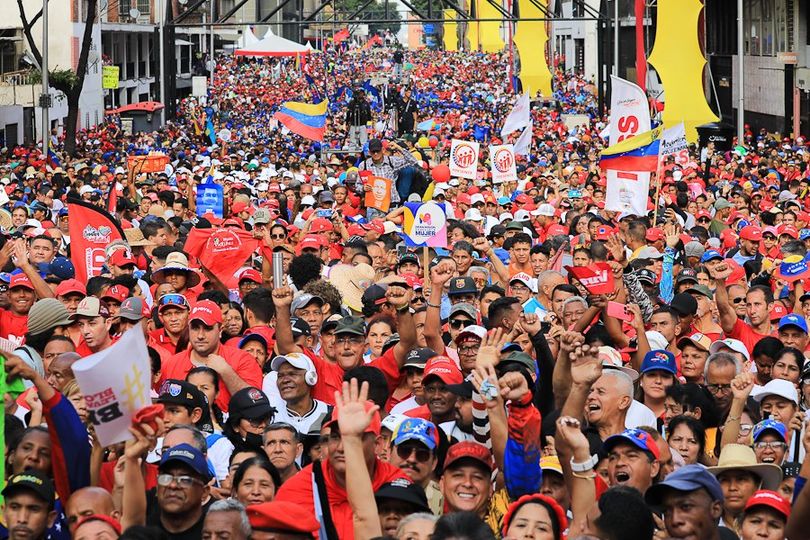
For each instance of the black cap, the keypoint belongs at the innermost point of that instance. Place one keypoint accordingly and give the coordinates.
(180, 392)
(404, 490)
(33, 481)
(300, 327)
(686, 275)
(462, 285)
(408, 257)
(374, 145)
(392, 340)
(496, 230)
(684, 304)
(646, 276)
(250, 403)
(419, 357)
(463, 390)
(374, 295)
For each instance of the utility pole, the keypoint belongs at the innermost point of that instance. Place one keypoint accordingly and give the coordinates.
(45, 96)
(616, 38)
(211, 61)
(741, 72)
(162, 66)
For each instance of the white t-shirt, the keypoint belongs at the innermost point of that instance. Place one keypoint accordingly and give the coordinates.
(639, 415)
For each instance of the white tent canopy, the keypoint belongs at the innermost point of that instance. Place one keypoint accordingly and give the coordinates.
(271, 45)
(247, 39)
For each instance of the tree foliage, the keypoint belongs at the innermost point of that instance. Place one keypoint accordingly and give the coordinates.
(374, 11)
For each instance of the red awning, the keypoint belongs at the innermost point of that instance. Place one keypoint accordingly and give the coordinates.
(143, 106)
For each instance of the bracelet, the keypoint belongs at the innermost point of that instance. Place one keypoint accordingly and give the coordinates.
(403, 308)
(437, 306)
(587, 476)
(732, 419)
(585, 465)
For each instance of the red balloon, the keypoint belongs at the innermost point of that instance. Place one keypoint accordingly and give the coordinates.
(434, 142)
(440, 173)
(384, 144)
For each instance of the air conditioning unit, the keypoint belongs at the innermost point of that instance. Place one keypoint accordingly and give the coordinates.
(803, 79)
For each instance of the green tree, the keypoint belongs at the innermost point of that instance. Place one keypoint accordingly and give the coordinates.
(373, 12)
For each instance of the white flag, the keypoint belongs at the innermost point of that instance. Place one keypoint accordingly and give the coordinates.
(674, 143)
(629, 110)
(627, 191)
(115, 383)
(523, 144)
(519, 117)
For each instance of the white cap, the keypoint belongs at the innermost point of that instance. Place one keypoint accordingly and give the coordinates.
(776, 387)
(522, 215)
(85, 189)
(506, 215)
(728, 343)
(308, 199)
(545, 209)
(478, 331)
(296, 360)
(473, 214)
(656, 340)
(649, 252)
(477, 198)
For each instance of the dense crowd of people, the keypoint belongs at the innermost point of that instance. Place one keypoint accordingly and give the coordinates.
(368, 389)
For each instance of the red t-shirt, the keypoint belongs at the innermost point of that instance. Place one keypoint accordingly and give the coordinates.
(330, 376)
(178, 366)
(83, 349)
(742, 331)
(298, 490)
(158, 339)
(13, 327)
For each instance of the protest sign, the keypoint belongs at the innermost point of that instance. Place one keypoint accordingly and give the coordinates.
(597, 277)
(110, 76)
(464, 159)
(425, 224)
(91, 231)
(502, 163)
(629, 111)
(210, 199)
(379, 196)
(674, 143)
(115, 383)
(627, 191)
(152, 163)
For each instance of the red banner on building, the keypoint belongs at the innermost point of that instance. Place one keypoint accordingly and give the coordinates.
(91, 231)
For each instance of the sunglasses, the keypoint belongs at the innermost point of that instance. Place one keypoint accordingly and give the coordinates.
(173, 300)
(182, 481)
(281, 236)
(422, 454)
(738, 300)
(458, 323)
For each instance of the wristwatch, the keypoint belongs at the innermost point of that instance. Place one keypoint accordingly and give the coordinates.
(585, 465)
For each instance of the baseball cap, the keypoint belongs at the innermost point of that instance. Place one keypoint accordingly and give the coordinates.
(546, 210)
(250, 274)
(296, 360)
(751, 233)
(685, 479)
(794, 320)
(711, 255)
(466, 309)
(133, 309)
(647, 276)
(305, 299)
(694, 249)
(730, 343)
(90, 306)
(637, 437)
(116, 293)
(71, 286)
(687, 275)
(172, 300)
(771, 499)
(20, 280)
(122, 257)
(472, 331)
(374, 427)
(31, 480)
(526, 279)
(659, 361)
(180, 392)
(649, 252)
(443, 368)
(403, 489)
(261, 216)
(418, 358)
(701, 341)
(469, 450)
(351, 325)
(702, 290)
(684, 303)
(300, 327)
(551, 463)
(374, 145)
(416, 429)
(769, 425)
(187, 455)
(462, 285)
(281, 516)
(776, 387)
(206, 312)
(250, 403)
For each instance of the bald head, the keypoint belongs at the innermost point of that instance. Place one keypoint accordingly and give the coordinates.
(88, 501)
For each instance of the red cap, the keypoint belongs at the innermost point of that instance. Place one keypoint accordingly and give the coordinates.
(71, 286)
(20, 280)
(122, 257)
(233, 222)
(556, 229)
(374, 427)
(789, 230)
(251, 275)
(281, 516)
(471, 450)
(654, 234)
(444, 368)
(376, 225)
(238, 207)
(751, 232)
(464, 198)
(273, 188)
(321, 225)
(413, 281)
(778, 311)
(117, 293)
(737, 271)
(308, 242)
(112, 522)
(603, 232)
(703, 214)
(771, 499)
(356, 230)
(207, 312)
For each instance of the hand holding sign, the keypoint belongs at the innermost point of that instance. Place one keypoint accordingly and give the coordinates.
(597, 278)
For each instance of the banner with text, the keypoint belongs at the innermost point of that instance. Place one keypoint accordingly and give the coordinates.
(502, 162)
(425, 224)
(464, 159)
(629, 111)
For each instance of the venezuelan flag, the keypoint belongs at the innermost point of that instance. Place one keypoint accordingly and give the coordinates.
(638, 153)
(305, 119)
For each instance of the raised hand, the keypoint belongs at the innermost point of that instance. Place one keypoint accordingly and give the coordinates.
(672, 235)
(144, 439)
(742, 385)
(441, 274)
(489, 353)
(585, 365)
(569, 340)
(720, 272)
(482, 245)
(513, 386)
(615, 247)
(350, 405)
(399, 297)
(530, 323)
(570, 434)
(485, 382)
(282, 296)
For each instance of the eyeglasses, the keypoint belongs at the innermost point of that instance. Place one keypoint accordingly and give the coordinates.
(418, 300)
(173, 300)
(422, 454)
(350, 339)
(703, 220)
(457, 324)
(718, 388)
(745, 429)
(738, 300)
(773, 445)
(469, 348)
(184, 481)
(257, 422)
(278, 236)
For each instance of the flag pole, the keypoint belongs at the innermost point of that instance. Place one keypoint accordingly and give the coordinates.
(657, 195)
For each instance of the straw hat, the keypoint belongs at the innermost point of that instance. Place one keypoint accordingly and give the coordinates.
(5, 219)
(135, 237)
(176, 261)
(741, 457)
(351, 281)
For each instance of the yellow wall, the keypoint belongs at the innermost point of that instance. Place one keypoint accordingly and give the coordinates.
(450, 30)
(679, 62)
(489, 32)
(530, 40)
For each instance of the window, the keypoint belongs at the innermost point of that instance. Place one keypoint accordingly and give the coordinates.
(144, 6)
(766, 27)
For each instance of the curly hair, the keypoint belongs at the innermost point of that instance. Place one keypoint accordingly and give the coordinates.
(304, 269)
(330, 294)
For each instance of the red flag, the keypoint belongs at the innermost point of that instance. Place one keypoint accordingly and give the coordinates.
(112, 198)
(222, 251)
(91, 231)
(597, 278)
